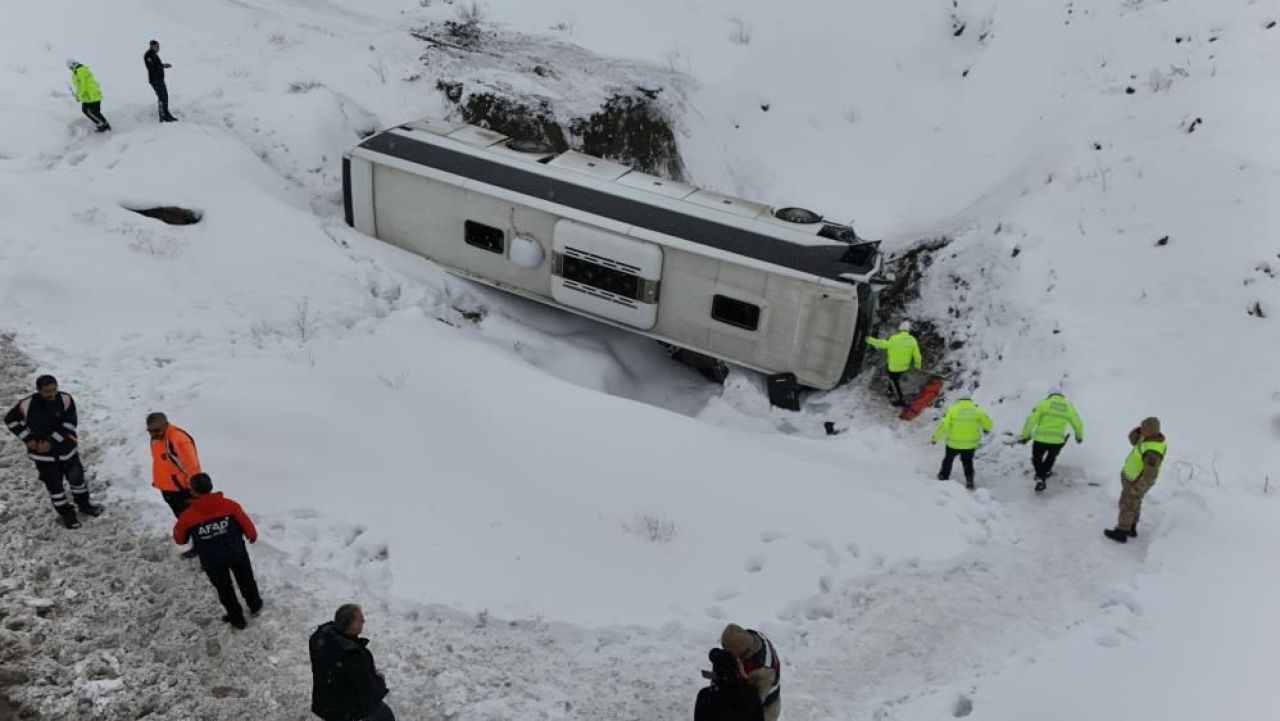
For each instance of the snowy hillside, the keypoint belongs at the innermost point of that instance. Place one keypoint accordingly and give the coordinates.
(543, 516)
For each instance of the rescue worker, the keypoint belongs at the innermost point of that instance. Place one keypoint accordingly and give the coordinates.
(903, 353)
(174, 460)
(217, 526)
(962, 426)
(760, 665)
(155, 76)
(728, 698)
(1141, 467)
(88, 93)
(346, 685)
(46, 422)
(1046, 428)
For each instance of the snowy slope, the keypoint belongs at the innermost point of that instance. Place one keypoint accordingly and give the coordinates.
(529, 464)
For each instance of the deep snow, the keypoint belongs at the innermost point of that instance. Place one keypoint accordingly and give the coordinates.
(455, 458)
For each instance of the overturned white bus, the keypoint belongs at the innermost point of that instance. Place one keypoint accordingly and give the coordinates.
(783, 291)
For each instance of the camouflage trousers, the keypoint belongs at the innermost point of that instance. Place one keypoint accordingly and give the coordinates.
(1131, 494)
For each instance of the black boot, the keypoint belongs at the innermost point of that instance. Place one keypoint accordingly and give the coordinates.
(1040, 486)
(969, 484)
(89, 509)
(237, 622)
(1119, 535)
(69, 519)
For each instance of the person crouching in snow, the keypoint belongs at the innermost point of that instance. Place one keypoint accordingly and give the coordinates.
(346, 685)
(728, 698)
(88, 93)
(217, 526)
(760, 664)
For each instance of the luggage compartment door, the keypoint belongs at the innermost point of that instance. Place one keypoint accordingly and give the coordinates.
(606, 274)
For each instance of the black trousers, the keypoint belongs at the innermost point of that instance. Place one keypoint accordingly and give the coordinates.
(1043, 456)
(895, 380)
(162, 98)
(966, 460)
(93, 111)
(52, 474)
(220, 572)
(177, 500)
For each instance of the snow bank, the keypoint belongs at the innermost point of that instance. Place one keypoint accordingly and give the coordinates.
(468, 474)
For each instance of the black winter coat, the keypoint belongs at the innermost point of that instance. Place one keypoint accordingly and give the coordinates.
(346, 685)
(155, 67)
(732, 702)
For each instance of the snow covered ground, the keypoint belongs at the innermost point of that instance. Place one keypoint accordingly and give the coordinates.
(544, 518)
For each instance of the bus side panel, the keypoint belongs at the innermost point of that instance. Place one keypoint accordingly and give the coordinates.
(429, 217)
(358, 195)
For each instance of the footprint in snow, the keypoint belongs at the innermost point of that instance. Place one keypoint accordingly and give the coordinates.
(755, 564)
(1108, 641)
(770, 536)
(716, 612)
(724, 593)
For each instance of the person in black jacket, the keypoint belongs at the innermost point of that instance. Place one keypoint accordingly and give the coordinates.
(155, 76)
(729, 697)
(346, 684)
(46, 422)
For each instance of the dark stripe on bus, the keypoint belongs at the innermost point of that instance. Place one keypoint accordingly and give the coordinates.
(827, 261)
(347, 212)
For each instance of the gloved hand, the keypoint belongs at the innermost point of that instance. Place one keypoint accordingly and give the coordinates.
(1079, 439)
(1023, 441)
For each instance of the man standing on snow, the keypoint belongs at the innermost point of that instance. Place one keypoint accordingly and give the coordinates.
(1048, 421)
(1138, 476)
(962, 426)
(46, 422)
(217, 526)
(346, 685)
(174, 461)
(728, 698)
(155, 76)
(903, 352)
(760, 663)
(88, 93)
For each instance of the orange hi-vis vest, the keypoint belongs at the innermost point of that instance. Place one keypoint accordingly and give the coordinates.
(173, 460)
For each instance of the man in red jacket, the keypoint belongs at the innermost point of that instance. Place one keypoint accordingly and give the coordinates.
(217, 526)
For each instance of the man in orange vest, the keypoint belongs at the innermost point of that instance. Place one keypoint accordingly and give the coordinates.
(173, 462)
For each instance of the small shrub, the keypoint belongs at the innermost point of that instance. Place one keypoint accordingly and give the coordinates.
(304, 86)
(304, 322)
(470, 13)
(740, 31)
(651, 527)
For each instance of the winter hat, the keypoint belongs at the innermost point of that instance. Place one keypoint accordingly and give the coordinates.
(72, 63)
(737, 641)
(904, 325)
(1151, 426)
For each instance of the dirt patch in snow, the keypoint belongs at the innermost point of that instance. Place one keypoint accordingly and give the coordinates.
(559, 94)
(170, 214)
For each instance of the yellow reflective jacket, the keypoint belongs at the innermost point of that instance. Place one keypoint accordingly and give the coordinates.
(962, 425)
(87, 90)
(904, 351)
(1049, 419)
